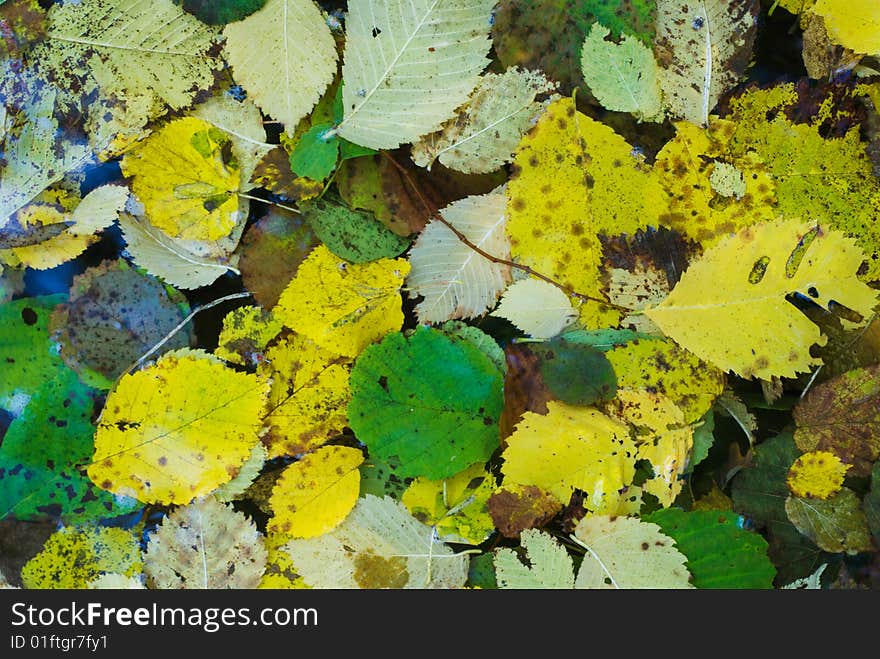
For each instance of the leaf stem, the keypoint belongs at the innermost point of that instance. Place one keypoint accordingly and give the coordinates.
(273, 203)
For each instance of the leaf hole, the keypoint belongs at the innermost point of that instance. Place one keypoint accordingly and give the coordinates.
(759, 269)
(797, 254)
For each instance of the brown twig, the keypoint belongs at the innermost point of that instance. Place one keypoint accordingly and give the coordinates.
(434, 214)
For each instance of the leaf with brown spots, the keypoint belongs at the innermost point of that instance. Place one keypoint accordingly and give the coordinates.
(515, 508)
(842, 416)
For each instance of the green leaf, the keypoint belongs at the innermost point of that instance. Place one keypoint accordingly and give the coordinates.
(871, 504)
(221, 12)
(602, 339)
(353, 235)
(759, 491)
(576, 374)
(27, 355)
(720, 553)
(481, 572)
(43, 454)
(432, 401)
(703, 439)
(351, 150)
(460, 330)
(836, 524)
(314, 156)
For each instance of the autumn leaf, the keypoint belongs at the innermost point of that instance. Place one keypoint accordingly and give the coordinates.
(186, 440)
(842, 416)
(287, 39)
(343, 307)
(314, 494)
(550, 566)
(855, 25)
(379, 545)
(816, 474)
(538, 308)
(738, 290)
(205, 544)
(428, 399)
(836, 524)
(515, 508)
(624, 553)
(453, 279)
(246, 334)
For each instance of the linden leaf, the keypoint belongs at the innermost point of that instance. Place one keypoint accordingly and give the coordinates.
(854, 24)
(538, 308)
(660, 366)
(429, 399)
(455, 506)
(314, 494)
(308, 398)
(408, 64)
(625, 552)
(245, 334)
(205, 544)
(485, 132)
(703, 47)
(549, 566)
(284, 56)
(72, 558)
(188, 188)
(816, 474)
(720, 554)
(112, 317)
(379, 545)
(842, 416)
(343, 307)
(571, 448)
(623, 76)
(576, 179)
(738, 291)
(454, 280)
(191, 435)
(837, 524)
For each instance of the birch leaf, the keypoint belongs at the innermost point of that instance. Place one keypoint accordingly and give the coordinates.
(854, 24)
(622, 76)
(703, 47)
(456, 281)
(538, 308)
(485, 132)
(379, 545)
(408, 64)
(738, 290)
(205, 545)
(184, 441)
(625, 553)
(284, 56)
(549, 565)
(245, 334)
(343, 307)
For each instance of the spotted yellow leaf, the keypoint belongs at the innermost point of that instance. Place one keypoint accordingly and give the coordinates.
(342, 306)
(245, 334)
(178, 429)
(817, 474)
(186, 178)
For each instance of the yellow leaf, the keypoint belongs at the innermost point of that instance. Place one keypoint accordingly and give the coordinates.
(576, 179)
(245, 334)
(690, 165)
(539, 309)
(730, 306)
(660, 366)
(177, 429)
(817, 474)
(73, 558)
(309, 395)
(280, 573)
(455, 506)
(317, 492)
(662, 436)
(342, 306)
(854, 24)
(572, 448)
(184, 178)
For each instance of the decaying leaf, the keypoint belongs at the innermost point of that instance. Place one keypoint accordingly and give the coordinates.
(205, 544)
(836, 524)
(515, 508)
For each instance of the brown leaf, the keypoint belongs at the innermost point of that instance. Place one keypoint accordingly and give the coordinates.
(524, 388)
(519, 507)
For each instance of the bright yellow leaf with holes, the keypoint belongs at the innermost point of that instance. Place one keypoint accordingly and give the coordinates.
(187, 179)
(662, 437)
(309, 395)
(72, 558)
(572, 448)
(316, 493)
(816, 474)
(730, 307)
(178, 429)
(699, 177)
(576, 179)
(343, 306)
(455, 506)
(660, 366)
(245, 334)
